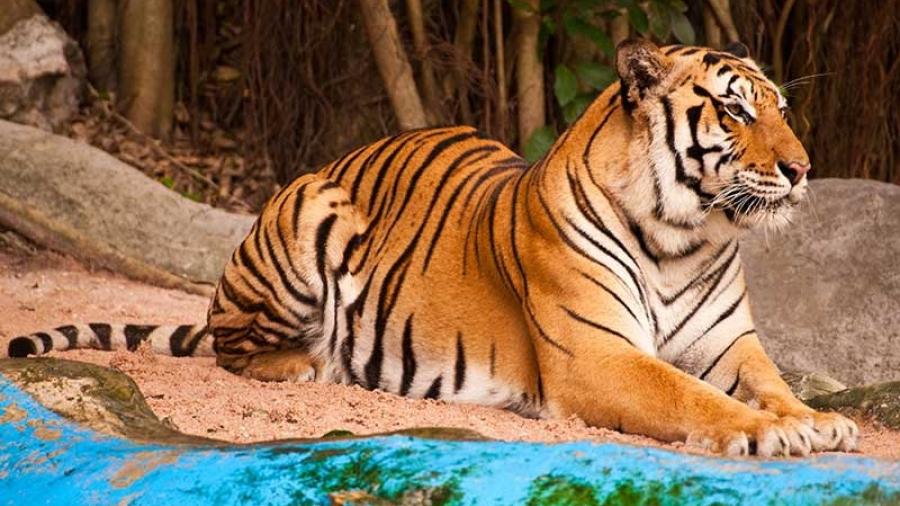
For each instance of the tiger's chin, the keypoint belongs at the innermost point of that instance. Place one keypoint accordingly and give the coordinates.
(769, 215)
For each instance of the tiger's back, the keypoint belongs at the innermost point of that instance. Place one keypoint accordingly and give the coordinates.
(340, 262)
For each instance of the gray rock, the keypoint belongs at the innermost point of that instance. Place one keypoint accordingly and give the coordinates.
(42, 74)
(825, 292)
(78, 200)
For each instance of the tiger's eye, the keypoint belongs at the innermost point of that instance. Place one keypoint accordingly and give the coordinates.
(735, 110)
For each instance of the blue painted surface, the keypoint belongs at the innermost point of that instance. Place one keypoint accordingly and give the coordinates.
(83, 467)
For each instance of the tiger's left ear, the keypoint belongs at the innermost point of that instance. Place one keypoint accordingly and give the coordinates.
(641, 66)
(738, 49)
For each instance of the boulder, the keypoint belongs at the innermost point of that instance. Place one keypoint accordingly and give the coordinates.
(825, 292)
(42, 74)
(880, 402)
(78, 200)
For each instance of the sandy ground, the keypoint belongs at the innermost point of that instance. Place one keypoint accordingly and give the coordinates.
(46, 290)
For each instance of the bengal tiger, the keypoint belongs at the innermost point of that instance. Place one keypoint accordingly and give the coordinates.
(604, 281)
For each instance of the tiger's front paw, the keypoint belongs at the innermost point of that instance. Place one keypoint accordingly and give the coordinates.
(832, 431)
(767, 436)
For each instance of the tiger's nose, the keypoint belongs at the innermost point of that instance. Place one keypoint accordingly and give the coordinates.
(793, 171)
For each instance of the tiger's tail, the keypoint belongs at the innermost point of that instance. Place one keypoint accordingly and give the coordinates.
(174, 340)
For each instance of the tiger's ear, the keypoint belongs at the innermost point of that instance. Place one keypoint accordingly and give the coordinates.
(641, 65)
(738, 49)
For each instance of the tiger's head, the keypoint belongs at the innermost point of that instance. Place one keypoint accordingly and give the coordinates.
(717, 129)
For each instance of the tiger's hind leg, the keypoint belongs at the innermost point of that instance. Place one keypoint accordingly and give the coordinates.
(275, 314)
(291, 365)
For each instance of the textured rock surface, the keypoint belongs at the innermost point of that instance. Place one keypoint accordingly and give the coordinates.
(79, 200)
(826, 291)
(881, 402)
(42, 74)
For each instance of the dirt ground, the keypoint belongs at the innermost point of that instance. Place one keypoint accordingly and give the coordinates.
(46, 290)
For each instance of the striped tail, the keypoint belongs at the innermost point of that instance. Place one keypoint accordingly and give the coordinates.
(175, 340)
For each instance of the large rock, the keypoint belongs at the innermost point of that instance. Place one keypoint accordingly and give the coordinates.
(76, 199)
(42, 74)
(826, 291)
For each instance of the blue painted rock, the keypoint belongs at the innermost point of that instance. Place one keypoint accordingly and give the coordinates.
(74, 433)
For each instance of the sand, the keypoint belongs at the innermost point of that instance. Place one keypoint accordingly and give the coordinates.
(46, 290)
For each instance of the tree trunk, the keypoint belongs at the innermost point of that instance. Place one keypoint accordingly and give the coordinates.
(392, 63)
(722, 10)
(463, 43)
(711, 29)
(101, 44)
(147, 65)
(502, 91)
(529, 72)
(14, 11)
(420, 44)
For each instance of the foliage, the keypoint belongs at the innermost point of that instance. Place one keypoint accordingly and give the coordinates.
(576, 84)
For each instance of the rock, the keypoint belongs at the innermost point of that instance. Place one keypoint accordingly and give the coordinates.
(42, 74)
(881, 402)
(98, 397)
(78, 200)
(825, 292)
(808, 385)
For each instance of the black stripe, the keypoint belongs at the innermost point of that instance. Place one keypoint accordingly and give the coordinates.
(434, 391)
(371, 159)
(614, 294)
(382, 172)
(718, 274)
(460, 370)
(332, 342)
(21, 346)
(194, 341)
(340, 162)
(352, 246)
(722, 354)
(387, 299)
(347, 346)
(496, 255)
(249, 267)
(631, 273)
(569, 242)
(71, 334)
(700, 279)
(279, 268)
(176, 340)
(513, 243)
(493, 358)
(46, 340)
(728, 312)
(681, 175)
(104, 334)
(737, 380)
(136, 334)
(298, 205)
(322, 233)
(596, 132)
(590, 213)
(542, 334)
(410, 189)
(409, 358)
(448, 207)
(594, 324)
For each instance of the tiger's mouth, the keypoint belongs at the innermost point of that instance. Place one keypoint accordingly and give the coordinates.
(748, 207)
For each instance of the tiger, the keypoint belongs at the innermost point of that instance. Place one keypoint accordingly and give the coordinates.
(603, 281)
